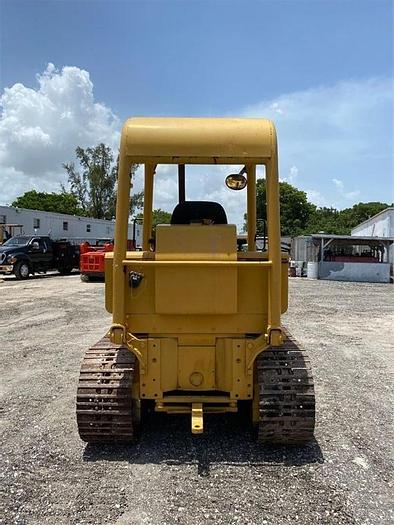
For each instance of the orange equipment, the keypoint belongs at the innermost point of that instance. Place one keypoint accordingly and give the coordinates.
(92, 259)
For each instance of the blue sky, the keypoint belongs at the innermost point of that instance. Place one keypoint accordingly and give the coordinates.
(321, 69)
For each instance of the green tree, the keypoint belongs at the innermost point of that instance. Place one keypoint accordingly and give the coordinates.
(94, 185)
(136, 202)
(350, 217)
(295, 209)
(325, 220)
(136, 199)
(57, 202)
(159, 216)
(341, 222)
(300, 217)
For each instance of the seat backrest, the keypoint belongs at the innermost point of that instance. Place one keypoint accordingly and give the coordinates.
(189, 212)
(196, 242)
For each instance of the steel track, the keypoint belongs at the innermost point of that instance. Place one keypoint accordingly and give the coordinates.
(286, 395)
(104, 396)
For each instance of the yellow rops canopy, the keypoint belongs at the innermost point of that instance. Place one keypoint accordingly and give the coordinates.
(198, 140)
(152, 141)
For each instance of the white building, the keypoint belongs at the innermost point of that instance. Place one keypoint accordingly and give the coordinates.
(380, 225)
(62, 226)
(366, 255)
(343, 257)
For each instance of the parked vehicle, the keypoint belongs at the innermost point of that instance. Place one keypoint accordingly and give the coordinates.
(25, 255)
(92, 258)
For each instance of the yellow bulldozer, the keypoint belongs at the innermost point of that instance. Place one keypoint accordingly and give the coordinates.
(196, 323)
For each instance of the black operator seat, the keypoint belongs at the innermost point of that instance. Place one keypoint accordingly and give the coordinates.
(198, 212)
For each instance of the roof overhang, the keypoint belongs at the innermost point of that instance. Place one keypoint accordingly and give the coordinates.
(198, 140)
(352, 239)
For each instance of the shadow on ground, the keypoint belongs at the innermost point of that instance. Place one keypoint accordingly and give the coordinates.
(227, 440)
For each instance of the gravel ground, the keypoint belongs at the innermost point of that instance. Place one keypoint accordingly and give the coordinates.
(49, 476)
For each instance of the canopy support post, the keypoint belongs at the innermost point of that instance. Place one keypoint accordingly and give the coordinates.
(148, 204)
(251, 196)
(274, 334)
(120, 247)
(181, 183)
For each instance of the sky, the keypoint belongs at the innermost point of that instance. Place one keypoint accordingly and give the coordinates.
(72, 71)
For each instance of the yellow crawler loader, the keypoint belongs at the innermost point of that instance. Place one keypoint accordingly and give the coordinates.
(196, 323)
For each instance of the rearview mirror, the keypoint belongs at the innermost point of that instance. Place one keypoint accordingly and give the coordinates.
(236, 181)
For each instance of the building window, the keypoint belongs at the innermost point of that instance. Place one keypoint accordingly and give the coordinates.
(65, 226)
(88, 228)
(36, 224)
(3, 219)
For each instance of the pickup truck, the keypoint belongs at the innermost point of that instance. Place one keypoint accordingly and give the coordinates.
(23, 255)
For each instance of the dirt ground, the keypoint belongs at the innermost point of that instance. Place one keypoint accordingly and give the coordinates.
(49, 476)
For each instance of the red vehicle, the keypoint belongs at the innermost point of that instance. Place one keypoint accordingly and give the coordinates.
(92, 258)
(91, 263)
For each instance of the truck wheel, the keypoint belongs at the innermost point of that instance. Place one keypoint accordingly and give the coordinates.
(22, 270)
(65, 271)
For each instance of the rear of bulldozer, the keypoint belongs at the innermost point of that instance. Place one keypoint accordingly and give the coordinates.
(196, 323)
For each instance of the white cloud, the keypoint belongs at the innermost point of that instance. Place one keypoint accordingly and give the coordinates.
(350, 195)
(292, 176)
(40, 129)
(275, 107)
(339, 184)
(335, 142)
(339, 133)
(317, 198)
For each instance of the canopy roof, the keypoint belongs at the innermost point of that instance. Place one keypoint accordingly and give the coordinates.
(352, 239)
(198, 140)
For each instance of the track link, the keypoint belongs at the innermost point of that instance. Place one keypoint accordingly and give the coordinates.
(286, 395)
(104, 396)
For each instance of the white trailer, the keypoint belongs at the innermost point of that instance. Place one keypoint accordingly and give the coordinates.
(62, 226)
